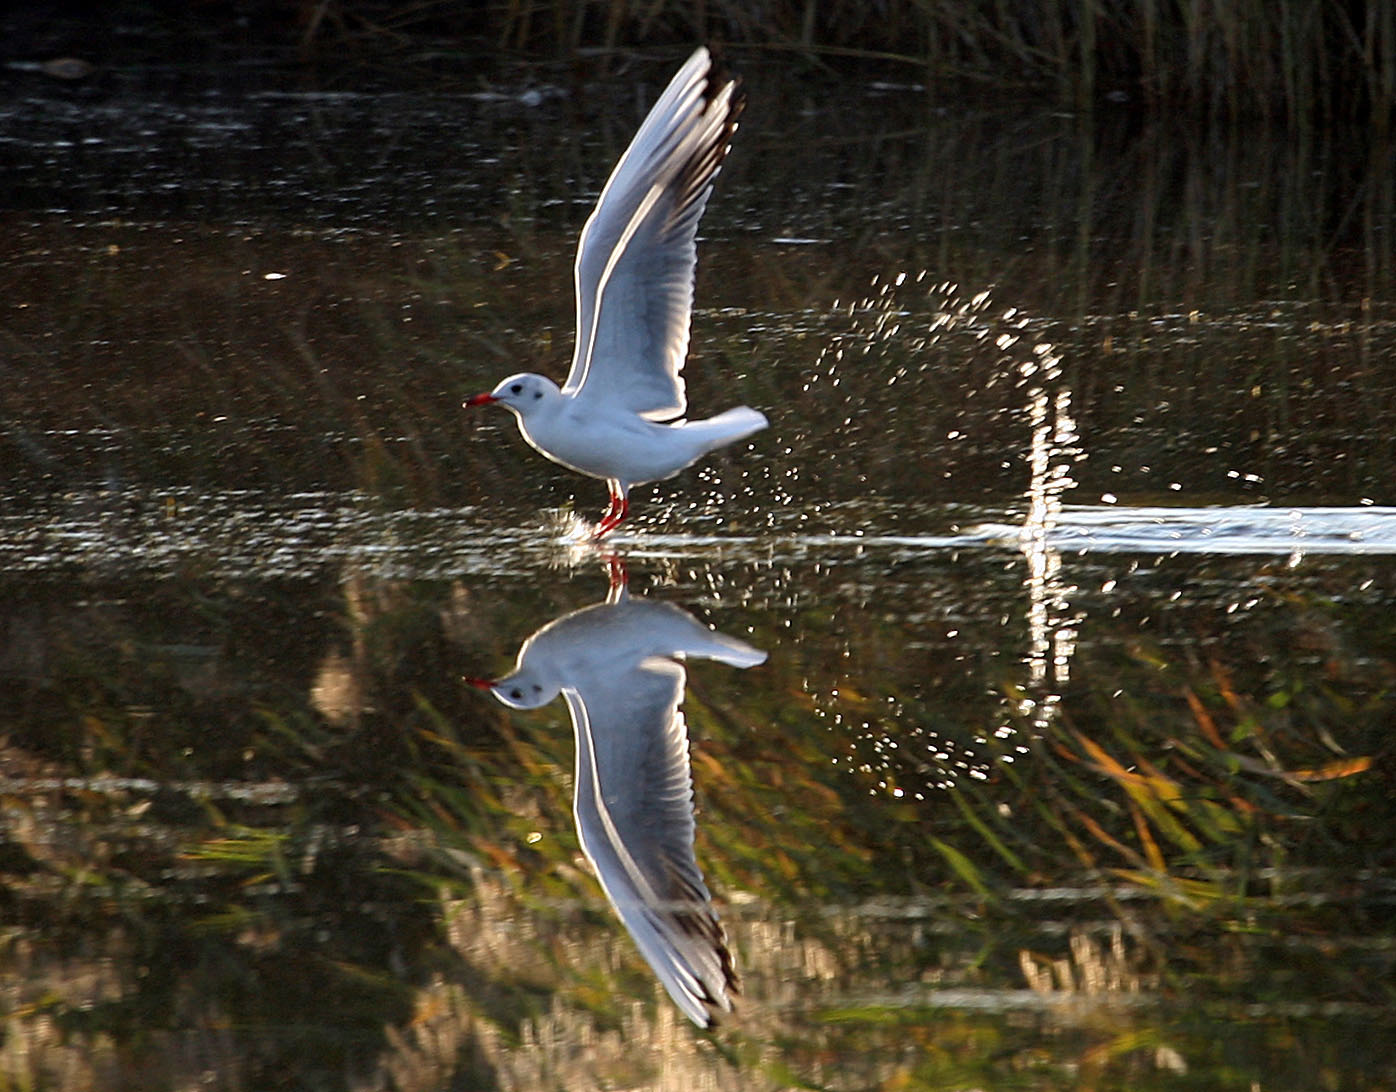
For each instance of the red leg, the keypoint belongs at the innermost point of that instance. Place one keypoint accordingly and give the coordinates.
(618, 510)
(604, 523)
(615, 573)
(605, 519)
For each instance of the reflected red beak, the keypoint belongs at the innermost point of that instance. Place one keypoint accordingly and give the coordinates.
(483, 684)
(480, 400)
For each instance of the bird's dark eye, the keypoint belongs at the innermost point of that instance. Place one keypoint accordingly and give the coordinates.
(537, 689)
(516, 694)
(516, 388)
(537, 394)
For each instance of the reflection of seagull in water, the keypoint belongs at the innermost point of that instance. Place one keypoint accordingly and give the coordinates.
(614, 417)
(617, 665)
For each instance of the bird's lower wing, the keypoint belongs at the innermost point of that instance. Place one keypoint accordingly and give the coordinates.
(634, 811)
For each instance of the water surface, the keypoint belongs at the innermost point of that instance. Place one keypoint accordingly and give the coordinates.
(1070, 551)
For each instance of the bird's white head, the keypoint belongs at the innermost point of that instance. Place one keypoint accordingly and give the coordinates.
(521, 690)
(525, 394)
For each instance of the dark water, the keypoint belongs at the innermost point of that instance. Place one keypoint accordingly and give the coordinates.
(1069, 551)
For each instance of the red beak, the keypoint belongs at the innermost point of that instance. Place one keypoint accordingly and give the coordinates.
(480, 400)
(483, 684)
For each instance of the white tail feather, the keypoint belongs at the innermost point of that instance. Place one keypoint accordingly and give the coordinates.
(727, 427)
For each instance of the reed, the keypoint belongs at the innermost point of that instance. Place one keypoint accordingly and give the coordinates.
(1292, 58)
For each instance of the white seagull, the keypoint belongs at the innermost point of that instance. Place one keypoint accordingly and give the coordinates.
(617, 665)
(617, 415)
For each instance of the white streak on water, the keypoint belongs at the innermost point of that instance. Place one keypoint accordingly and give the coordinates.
(243, 534)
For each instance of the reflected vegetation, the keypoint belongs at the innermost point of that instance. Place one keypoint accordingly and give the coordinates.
(1071, 544)
(924, 830)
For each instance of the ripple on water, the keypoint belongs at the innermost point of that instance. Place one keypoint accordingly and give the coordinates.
(1227, 530)
(242, 534)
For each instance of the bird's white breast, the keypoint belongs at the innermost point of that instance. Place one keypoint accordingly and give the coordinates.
(622, 446)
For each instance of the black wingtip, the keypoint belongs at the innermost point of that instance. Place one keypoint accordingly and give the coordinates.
(697, 176)
(719, 76)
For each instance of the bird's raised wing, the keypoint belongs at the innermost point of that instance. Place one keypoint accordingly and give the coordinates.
(636, 258)
(634, 811)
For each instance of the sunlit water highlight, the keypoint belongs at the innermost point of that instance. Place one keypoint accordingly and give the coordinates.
(256, 535)
(900, 537)
(248, 534)
(1222, 530)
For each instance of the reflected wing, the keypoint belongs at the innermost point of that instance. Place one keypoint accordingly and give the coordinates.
(636, 257)
(634, 811)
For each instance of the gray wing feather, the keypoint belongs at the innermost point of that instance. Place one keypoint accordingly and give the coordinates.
(634, 811)
(637, 254)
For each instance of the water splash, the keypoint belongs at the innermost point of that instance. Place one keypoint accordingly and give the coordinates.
(1052, 625)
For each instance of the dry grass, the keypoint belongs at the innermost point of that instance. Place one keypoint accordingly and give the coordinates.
(1293, 58)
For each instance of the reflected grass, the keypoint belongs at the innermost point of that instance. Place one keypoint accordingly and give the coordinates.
(1218, 827)
(1186, 834)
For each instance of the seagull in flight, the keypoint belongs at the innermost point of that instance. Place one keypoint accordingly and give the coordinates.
(618, 416)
